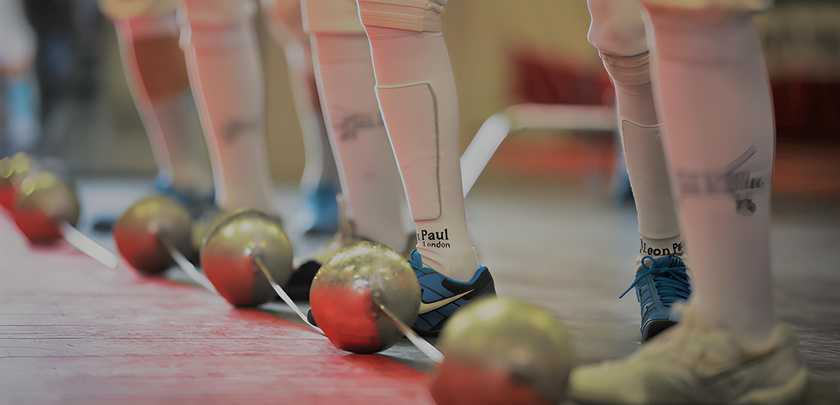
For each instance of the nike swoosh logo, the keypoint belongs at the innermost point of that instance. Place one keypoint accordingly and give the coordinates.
(424, 307)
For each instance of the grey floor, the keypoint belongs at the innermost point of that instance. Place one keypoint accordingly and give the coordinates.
(572, 251)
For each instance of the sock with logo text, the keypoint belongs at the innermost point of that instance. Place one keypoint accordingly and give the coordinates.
(641, 138)
(416, 91)
(618, 32)
(714, 97)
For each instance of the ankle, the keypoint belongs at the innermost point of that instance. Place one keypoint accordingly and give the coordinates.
(194, 180)
(673, 246)
(457, 264)
(393, 237)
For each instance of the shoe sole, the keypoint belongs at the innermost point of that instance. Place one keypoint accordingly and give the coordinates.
(791, 392)
(655, 327)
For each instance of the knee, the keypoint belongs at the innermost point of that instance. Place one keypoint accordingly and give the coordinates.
(409, 15)
(631, 70)
(694, 30)
(617, 27)
(209, 23)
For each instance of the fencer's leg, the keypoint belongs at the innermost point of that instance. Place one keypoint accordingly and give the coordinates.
(618, 32)
(18, 80)
(320, 183)
(225, 72)
(716, 104)
(371, 181)
(416, 91)
(712, 92)
(157, 75)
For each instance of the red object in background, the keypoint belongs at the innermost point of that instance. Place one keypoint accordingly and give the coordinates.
(541, 79)
(804, 110)
(544, 79)
(8, 195)
(807, 111)
(807, 118)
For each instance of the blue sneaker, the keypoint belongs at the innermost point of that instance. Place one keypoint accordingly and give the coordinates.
(198, 205)
(318, 212)
(659, 284)
(442, 296)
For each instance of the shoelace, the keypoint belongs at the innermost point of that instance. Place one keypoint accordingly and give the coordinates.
(672, 283)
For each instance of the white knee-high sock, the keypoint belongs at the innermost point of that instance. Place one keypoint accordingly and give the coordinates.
(157, 76)
(416, 91)
(641, 138)
(370, 178)
(618, 31)
(226, 76)
(714, 97)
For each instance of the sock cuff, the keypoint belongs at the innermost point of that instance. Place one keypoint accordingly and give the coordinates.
(632, 70)
(662, 247)
(409, 15)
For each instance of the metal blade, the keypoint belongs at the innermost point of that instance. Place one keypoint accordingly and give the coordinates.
(285, 297)
(188, 267)
(424, 346)
(528, 116)
(482, 147)
(88, 246)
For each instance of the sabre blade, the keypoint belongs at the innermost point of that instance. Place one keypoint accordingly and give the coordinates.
(88, 246)
(424, 346)
(188, 267)
(285, 297)
(488, 138)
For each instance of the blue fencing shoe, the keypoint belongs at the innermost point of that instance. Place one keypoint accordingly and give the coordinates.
(441, 296)
(659, 284)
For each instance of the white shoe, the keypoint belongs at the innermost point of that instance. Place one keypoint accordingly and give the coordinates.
(695, 363)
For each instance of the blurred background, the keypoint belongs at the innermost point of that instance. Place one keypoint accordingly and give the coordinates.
(503, 53)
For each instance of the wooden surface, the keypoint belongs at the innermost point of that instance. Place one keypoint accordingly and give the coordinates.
(72, 331)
